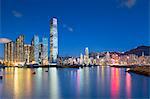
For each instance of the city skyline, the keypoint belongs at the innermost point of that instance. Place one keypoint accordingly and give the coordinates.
(74, 49)
(120, 29)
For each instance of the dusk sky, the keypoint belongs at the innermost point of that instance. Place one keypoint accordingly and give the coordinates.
(101, 25)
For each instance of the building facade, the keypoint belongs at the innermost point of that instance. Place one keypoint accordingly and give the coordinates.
(9, 53)
(86, 56)
(19, 50)
(36, 48)
(44, 51)
(27, 50)
(53, 41)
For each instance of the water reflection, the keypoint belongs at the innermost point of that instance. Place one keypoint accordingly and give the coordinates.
(28, 80)
(103, 82)
(115, 82)
(128, 84)
(16, 84)
(54, 84)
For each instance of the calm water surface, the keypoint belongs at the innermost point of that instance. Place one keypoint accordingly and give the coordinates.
(87, 83)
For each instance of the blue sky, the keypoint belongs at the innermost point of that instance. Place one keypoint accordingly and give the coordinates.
(101, 25)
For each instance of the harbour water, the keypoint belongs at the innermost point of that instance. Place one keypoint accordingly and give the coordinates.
(84, 83)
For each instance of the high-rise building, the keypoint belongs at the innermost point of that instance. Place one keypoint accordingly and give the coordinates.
(86, 56)
(5, 52)
(81, 59)
(53, 41)
(32, 51)
(36, 48)
(19, 50)
(40, 52)
(44, 51)
(27, 49)
(86, 51)
(9, 53)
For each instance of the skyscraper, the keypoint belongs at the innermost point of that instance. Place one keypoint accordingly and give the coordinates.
(81, 59)
(53, 41)
(40, 52)
(19, 49)
(44, 51)
(5, 53)
(86, 56)
(36, 48)
(27, 49)
(9, 53)
(32, 51)
(87, 51)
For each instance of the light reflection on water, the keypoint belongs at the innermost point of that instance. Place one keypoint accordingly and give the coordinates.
(104, 82)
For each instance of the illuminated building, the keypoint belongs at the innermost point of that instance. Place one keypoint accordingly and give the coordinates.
(40, 52)
(81, 59)
(53, 41)
(34, 55)
(44, 51)
(27, 49)
(5, 52)
(86, 56)
(31, 59)
(87, 51)
(107, 58)
(19, 50)
(9, 53)
(36, 48)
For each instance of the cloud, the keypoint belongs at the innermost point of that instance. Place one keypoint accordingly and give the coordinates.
(4, 40)
(68, 28)
(17, 14)
(128, 3)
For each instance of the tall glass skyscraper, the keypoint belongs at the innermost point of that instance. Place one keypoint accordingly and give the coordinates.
(53, 40)
(36, 49)
(45, 51)
(86, 56)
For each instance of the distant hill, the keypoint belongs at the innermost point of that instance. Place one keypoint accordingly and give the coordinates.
(138, 51)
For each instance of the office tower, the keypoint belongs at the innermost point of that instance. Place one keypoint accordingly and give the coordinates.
(44, 51)
(86, 56)
(40, 52)
(81, 59)
(5, 53)
(27, 49)
(32, 51)
(19, 50)
(87, 51)
(53, 41)
(8, 52)
(36, 49)
(11, 52)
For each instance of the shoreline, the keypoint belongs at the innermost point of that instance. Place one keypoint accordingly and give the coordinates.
(142, 70)
(123, 66)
